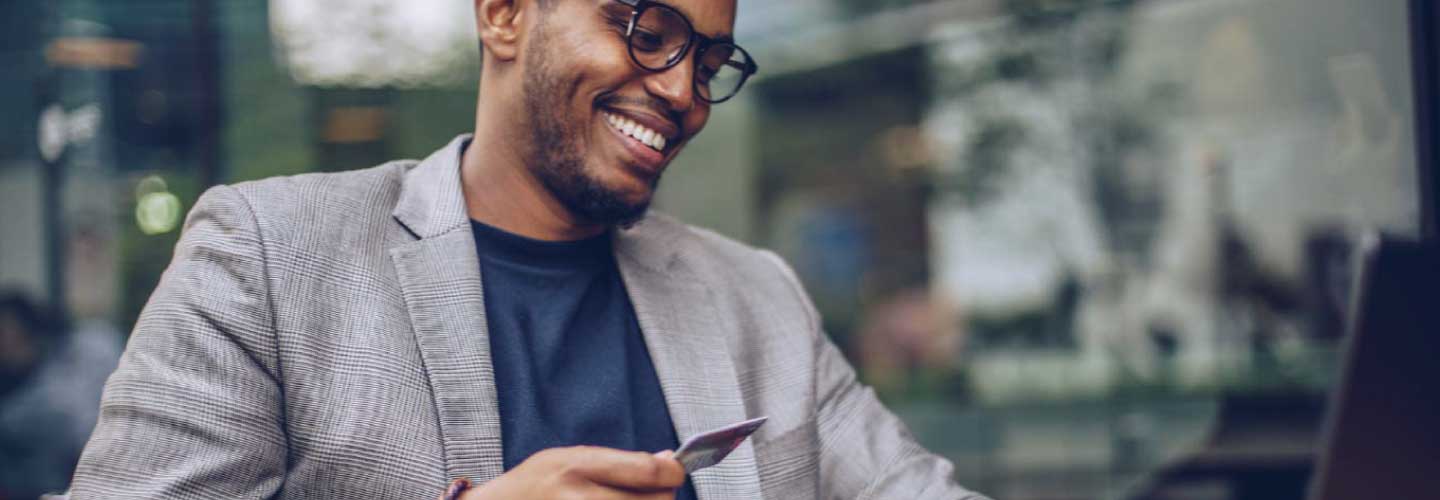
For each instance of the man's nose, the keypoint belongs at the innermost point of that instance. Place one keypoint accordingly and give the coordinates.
(675, 85)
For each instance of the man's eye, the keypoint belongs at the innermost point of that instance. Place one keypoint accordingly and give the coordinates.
(646, 40)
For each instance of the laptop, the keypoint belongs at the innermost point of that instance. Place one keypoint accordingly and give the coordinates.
(1382, 434)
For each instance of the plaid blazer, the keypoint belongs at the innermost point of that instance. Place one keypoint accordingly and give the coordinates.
(324, 336)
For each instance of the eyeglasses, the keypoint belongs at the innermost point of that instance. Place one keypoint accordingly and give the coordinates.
(659, 37)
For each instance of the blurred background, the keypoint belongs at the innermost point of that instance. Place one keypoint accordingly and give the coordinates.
(1085, 248)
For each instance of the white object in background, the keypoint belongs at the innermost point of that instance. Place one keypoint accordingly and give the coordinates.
(58, 129)
(375, 43)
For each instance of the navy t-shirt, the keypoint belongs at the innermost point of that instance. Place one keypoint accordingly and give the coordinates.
(571, 366)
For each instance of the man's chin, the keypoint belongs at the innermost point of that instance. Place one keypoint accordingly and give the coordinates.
(619, 200)
(615, 215)
(593, 202)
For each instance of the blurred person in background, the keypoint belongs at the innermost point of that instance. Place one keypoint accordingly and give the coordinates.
(908, 344)
(49, 382)
(504, 311)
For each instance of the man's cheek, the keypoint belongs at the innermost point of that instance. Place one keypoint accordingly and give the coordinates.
(693, 128)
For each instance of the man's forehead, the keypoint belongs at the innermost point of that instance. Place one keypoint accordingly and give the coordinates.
(712, 18)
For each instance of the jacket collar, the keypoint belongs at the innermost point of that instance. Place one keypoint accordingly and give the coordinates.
(431, 199)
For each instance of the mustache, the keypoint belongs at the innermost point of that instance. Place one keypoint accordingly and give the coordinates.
(651, 103)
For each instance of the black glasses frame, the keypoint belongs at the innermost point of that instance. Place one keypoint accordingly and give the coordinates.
(700, 42)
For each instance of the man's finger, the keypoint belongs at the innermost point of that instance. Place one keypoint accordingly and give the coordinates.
(456, 488)
(657, 495)
(627, 469)
(603, 492)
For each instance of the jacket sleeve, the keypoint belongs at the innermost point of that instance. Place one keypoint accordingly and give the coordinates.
(194, 409)
(866, 452)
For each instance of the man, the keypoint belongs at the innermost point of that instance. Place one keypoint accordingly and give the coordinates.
(481, 313)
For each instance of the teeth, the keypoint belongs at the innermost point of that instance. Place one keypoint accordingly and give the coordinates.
(639, 132)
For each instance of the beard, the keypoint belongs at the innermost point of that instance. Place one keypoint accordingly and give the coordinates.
(555, 156)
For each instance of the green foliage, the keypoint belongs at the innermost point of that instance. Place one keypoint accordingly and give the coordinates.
(143, 258)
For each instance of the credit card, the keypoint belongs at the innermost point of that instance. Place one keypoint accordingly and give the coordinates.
(710, 447)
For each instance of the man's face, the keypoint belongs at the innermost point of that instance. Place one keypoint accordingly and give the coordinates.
(582, 92)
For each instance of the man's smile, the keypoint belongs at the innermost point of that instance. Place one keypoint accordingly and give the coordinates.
(640, 132)
(650, 141)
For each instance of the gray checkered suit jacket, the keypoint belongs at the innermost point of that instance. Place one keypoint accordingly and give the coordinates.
(324, 336)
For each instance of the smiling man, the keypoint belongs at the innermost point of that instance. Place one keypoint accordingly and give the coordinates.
(503, 312)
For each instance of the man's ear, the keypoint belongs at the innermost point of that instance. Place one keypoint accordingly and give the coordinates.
(499, 23)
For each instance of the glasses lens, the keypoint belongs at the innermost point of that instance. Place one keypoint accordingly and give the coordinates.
(721, 71)
(661, 37)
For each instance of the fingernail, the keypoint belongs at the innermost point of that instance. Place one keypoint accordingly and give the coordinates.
(665, 454)
(457, 487)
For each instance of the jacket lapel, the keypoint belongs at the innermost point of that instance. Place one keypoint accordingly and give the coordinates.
(440, 279)
(687, 345)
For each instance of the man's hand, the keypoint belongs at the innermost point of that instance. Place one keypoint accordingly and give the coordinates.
(587, 472)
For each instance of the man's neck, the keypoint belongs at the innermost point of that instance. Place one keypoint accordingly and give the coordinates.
(501, 192)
